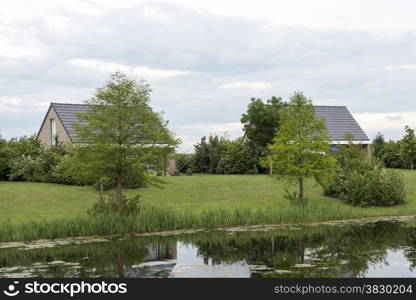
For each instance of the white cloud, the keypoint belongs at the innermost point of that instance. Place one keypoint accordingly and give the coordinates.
(108, 67)
(248, 85)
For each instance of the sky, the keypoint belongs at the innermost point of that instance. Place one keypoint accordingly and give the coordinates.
(205, 60)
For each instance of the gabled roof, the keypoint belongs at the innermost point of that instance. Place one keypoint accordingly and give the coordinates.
(339, 121)
(67, 114)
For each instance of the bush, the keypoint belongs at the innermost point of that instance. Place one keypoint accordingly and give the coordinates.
(184, 161)
(108, 206)
(374, 187)
(4, 160)
(365, 182)
(69, 171)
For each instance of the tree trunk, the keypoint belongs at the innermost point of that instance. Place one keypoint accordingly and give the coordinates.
(119, 193)
(301, 190)
(411, 165)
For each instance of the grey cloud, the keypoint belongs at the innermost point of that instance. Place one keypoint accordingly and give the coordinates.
(336, 67)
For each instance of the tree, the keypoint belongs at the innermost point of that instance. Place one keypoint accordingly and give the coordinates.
(391, 155)
(300, 147)
(237, 158)
(121, 132)
(408, 147)
(4, 161)
(260, 124)
(208, 154)
(378, 146)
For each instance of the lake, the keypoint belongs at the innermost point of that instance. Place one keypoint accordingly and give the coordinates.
(378, 249)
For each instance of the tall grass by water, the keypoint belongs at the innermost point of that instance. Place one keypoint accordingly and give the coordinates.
(31, 211)
(156, 220)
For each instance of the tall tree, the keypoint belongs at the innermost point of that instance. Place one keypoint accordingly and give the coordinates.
(121, 132)
(261, 122)
(378, 146)
(300, 147)
(208, 154)
(408, 147)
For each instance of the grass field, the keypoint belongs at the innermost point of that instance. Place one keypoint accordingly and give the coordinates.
(24, 201)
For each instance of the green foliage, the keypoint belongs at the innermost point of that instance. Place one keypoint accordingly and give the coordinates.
(131, 182)
(107, 205)
(391, 155)
(300, 147)
(208, 154)
(124, 135)
(408, 147)
(293, 198)
(28, 146)
(70, 170)
(378, 146)
(184, 161)
(33, 162)
(375, 186)
(220, 155)
(260, 124)
(261, 121)
(362, 181)
(237, 159)
(4, 160)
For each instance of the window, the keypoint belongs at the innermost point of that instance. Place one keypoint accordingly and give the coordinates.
(53, 132)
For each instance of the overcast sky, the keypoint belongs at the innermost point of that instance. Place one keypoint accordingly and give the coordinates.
(205, 59)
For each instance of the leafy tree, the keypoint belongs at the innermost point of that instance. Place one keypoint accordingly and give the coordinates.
(378, 146)
(408, 147)
(122, 132)
(299, 149)
(260, 124)
(237, 158)
(26, 145)
(208, 154)
(184, 162)
(391, 155)
(261, 121)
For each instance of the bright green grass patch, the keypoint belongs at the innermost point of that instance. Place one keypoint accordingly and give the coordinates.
(38, 210)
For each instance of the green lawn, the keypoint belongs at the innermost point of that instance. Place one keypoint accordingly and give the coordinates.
(21, 201)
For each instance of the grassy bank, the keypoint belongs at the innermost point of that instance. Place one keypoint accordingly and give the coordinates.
(35, 210)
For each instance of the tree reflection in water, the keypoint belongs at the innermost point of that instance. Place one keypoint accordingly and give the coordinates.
(320, 251)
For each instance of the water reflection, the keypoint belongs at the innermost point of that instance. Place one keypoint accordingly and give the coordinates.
(382, 249)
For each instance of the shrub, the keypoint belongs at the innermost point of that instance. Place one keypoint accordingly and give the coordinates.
(184, 161)
(365, 182)
(376, 186)
(69, 171)
(4, 168)
(107, 205)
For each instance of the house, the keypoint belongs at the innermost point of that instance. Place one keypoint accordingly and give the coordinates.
(339, 122)
(57, 126)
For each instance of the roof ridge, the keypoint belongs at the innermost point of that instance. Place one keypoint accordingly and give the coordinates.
(329, 106)
(60, 103)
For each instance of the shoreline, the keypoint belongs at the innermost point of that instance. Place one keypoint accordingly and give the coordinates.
(48, 243)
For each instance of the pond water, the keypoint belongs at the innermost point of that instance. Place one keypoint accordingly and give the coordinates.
(380, 249)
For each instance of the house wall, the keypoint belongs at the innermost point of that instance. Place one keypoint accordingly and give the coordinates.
(45, 132)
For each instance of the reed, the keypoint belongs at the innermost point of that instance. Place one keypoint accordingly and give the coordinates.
(156, 220)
